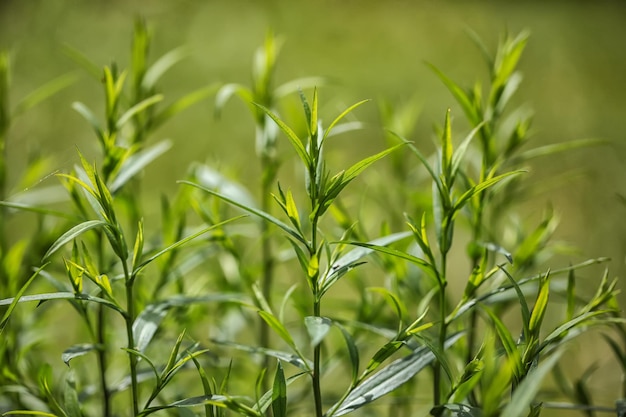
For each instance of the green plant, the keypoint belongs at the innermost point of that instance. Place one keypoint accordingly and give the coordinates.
(429, 329)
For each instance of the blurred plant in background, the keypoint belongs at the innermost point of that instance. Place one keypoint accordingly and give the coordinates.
(439, 286)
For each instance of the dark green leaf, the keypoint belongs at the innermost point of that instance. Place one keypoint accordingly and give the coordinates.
(279, 393)
(297, 361)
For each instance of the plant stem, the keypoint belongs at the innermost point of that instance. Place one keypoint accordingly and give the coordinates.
(102, 361)
(317, 392)
(268, 176)
(130, 318)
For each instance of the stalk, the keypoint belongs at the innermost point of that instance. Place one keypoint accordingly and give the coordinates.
(317, 392)
(130, 318)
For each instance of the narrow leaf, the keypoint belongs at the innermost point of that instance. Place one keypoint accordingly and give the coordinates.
(279, 393)
(252, 210)
(297, 361)
(138, 108)
(136, 162)
(526, 391)
(291, 135)
(388, 379)
(73, 233)
(18, 297)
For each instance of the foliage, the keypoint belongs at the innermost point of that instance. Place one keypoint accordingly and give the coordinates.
(339, 318)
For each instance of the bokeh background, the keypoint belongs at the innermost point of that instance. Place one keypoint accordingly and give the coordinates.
(574, 71)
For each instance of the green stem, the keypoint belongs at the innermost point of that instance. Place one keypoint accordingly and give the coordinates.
(102, 361)
(268, 167)
(130, 318)
(317, 392)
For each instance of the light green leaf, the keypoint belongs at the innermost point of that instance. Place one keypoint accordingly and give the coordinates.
(12, 302)
(478, 188)
(89, 116)
(252, 210)
(136, 162)
(138, 108)
(45, 91)
(227, 91)
(181, 104)
(73, 233)
(161, 66)
(387, 379)
(536, 317)
(341, 116)
(64, 296)
(180, 243)
(318, 328)
(291, 135)
(351, 259)
(461, 96)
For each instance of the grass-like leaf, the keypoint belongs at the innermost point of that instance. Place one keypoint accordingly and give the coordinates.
(388, 379)
(138, 108)
(526, 391)
(73, 233)
(279, 393)
(18, 297)
(138, 161)
(293, 233)
(45, 91)
(291, 135)
(64, 296)
(351, 259)
(297, 361)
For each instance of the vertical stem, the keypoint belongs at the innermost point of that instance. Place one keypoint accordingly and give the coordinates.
(130, 318)
(317, 392)
(102, 361)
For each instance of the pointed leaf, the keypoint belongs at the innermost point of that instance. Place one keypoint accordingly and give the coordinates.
(341, 116)
(45, 91)
(89, 116)
(161, 66)
(135, 163)
(73, 233)
(181, 104)
(138, 108)
(526, 391)
(18, 297)
(297, 361)
(353, 351)
(64, 296)
(342, 265)
(388, 379)
(252, 210)
(291, 135)
(478, 188)
(461, 96)
(279, 393)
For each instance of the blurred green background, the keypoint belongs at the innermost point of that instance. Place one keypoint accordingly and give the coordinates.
(574, 71)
